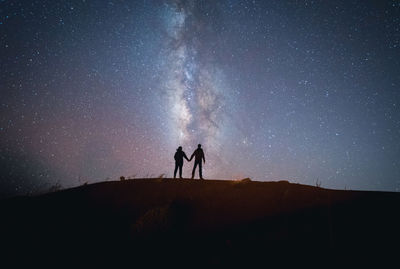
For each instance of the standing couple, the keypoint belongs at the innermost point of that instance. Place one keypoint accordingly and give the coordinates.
(198, 155)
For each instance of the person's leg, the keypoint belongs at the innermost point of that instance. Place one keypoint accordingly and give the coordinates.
(194, 169)
(200, 170)
(176, 169)
(180, 171)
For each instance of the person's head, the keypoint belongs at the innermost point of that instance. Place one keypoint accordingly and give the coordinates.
(179, 148)
(199, 145)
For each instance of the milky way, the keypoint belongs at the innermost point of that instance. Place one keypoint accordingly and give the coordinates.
(193, 80)
(303, 91)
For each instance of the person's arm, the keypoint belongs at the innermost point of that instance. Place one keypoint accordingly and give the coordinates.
(184, 156)
(191, 157)
(204, 158)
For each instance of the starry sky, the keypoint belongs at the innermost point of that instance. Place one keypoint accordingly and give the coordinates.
(303, 91)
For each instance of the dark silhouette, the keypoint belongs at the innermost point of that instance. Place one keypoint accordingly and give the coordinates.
(179, 155)
(160, 223)
(198, 157)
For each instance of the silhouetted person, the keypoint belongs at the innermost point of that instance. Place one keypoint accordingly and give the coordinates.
(198, 157)
(179, 155)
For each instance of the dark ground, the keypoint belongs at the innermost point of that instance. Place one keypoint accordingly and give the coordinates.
(193, 223)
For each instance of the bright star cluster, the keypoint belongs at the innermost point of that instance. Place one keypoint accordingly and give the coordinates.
(303, 91)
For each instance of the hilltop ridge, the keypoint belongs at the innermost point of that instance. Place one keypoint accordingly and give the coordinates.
(226, 221)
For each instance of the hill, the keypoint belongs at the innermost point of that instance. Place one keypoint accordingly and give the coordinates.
(193, 222)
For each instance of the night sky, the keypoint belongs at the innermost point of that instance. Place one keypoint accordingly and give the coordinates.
(273, 90)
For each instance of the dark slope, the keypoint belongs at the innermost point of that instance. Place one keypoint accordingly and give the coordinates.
(201, 222)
